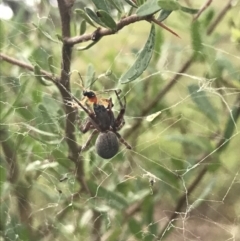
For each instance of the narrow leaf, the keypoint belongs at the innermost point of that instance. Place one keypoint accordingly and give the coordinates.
(94, 17)
(142, 60)
(47, 35)
(38, 76)
(83, 27)
(38, 131)
(148, 8)
(196, 38)
(50, 64)
(101, 5)
(87, 47)
(131, 3)
(163, 15)
(118, 5)
(83, 15)
(203, 103)
(107, 20)
(231, 125)
(169, 5)
(151, 117)
(189, 10)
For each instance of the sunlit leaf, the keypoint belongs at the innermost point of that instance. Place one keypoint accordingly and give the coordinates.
(142, 60)
(149, 7)
(151, 117)
(169, 5)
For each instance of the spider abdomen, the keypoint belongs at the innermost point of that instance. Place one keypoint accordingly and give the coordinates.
(107, 145)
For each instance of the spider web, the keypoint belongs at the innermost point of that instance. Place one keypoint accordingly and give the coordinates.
(178, 159)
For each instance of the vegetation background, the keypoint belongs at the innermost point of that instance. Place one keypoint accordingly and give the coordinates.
(181, 179)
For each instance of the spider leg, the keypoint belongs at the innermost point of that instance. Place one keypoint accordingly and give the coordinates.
(122, 140)
(86, 145)
(86, 126)
(119, 121)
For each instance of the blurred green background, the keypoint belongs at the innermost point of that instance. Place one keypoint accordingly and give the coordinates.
(180, 181)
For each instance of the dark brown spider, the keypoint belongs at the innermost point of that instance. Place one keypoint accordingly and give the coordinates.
(101, 120)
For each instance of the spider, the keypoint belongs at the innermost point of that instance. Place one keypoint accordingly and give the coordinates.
(102, 120)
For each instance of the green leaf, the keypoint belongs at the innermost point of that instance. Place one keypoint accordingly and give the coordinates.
(2, 178)
(90, 76)
(196, 38)
(201, 144)
(47, 120)
(87, 47)
(169, 5)
(38, 76)
(21, 93)
(50, 65)
(38, 131)
(131, 3)
(83, 27)
(230, 126)
(83, 15)
(47, 35)
(203, 103)
(142, 60)
(135, 228)
(107, 20)
(118, 5)
(163, 15)
(94, 16)
(101, 5)
(148, 8)
(112, 198)
(189, 10)
(61, 158)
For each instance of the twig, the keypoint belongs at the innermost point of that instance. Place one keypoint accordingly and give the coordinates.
(220, 16)
(121, 24)
(205, 5)
(23, 65)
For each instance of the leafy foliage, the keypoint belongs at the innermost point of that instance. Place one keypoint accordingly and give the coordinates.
(182, 121)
